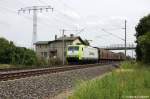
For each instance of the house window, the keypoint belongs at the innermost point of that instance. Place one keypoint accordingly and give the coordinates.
(53, 54)
(39, 46)
(44, 54)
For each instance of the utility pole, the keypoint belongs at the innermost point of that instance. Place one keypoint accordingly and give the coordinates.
(63, 57)
(125, 38)
(35, 10)
(63, 44)
(34, 36)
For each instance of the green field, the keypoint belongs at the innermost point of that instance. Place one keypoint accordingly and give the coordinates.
(130, 81)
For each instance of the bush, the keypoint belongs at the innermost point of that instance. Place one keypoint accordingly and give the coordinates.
(6, 51)
(144, 41)
(11, 54)
(54, 62)
(141, 29)
(22, 57)
(41, 62)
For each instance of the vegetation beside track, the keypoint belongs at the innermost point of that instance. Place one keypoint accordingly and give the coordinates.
(6, 66)
(143, 39)
(12, 56)
(131, 80)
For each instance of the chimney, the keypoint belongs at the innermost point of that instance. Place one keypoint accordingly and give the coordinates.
(55, 37)
(71, 35)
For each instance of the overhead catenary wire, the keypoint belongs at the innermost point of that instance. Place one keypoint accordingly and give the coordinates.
(112, 34)
(34, 9)
(57, 18)
(66, 22)
(58, 14)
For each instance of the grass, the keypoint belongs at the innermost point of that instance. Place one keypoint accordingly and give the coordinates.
(5, 66)
(12, 66)
(130, 80)
(20, 66)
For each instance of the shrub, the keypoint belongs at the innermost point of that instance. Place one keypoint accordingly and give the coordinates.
(41, 62)
(54, 62)
(144, 41)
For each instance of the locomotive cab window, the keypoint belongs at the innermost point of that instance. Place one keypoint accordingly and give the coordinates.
(73, 48)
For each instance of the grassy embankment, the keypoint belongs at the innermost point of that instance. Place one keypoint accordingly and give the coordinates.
(130, 81)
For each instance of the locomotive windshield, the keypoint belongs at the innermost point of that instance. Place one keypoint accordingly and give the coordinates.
(73, 48)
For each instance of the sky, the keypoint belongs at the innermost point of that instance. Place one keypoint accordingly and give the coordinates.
(93, 20)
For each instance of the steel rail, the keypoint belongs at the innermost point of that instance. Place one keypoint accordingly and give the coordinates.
(4, 76)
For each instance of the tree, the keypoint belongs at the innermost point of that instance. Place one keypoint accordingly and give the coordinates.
(142, 28)
(10, 54)
(6, 51)
(144, 42)
(29, 57)
(24, 56)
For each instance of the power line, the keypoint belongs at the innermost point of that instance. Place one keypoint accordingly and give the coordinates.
(80, 31)
(112, 34)
(57, 12)
(69, 7)
(35, 9)
(8, 9)
(71, 20)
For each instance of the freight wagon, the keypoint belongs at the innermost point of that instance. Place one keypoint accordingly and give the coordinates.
(86, 54)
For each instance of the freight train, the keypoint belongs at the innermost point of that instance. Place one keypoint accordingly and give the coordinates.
(77, 54)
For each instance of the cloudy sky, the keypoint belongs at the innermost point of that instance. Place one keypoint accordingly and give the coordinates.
(96, 18)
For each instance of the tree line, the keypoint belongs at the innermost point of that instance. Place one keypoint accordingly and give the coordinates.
(143, 39)
(22, 57)
(11, 54)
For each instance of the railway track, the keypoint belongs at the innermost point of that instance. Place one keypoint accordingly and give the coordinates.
(16, 74)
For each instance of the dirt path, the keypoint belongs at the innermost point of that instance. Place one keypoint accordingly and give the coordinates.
(63, 95)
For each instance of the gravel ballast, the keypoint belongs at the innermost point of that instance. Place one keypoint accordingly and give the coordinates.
(40, 87)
